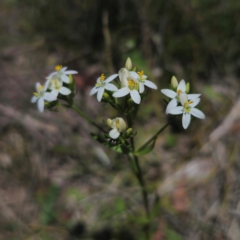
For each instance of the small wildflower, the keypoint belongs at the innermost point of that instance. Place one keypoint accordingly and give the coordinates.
(187, 109)
(103, 84)
(41, 95)
(56, 85)
(142, 80)
(181, 88)
(61, 73)
(129, 86)
(118, 125)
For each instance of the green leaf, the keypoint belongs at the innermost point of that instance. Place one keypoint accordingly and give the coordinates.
(144, 150)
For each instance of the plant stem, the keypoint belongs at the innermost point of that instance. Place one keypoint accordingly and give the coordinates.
(138, 173)
(87, 118)
(154, 136)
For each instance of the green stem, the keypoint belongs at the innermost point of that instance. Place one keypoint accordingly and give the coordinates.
(154, 136)
(87, 118)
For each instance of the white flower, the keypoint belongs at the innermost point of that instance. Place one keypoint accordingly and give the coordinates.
(142, 80)
(61, 73)
(181, 88)
(42, 95)
(118, 125)
(56, 85)
(129, 85)
(187, 109)
(103, 84)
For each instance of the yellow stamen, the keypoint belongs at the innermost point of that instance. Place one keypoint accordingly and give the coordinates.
(40, 88)
(118, 124)
(141, 74)
(131, 84)
(187, 103)
(35, 94)
(58, 67)
(179, 91)
(102, 78)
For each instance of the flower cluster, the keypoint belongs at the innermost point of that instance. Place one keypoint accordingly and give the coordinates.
(179, 95)
(57, 83)
(131, 82)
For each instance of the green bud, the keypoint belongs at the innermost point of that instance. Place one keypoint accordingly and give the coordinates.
(188, 87)
(70, 79)
(128, 64)
(109, 122)
(106, 96)
(174, 82)
(129, 131)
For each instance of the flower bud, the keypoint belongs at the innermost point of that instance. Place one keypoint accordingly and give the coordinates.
(109, 122)
(105, 96)
(123, 76)
(188, 87)
(128, 64)
(129, 131)
(174, 82)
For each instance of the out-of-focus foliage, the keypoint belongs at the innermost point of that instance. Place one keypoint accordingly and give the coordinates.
(201, 35)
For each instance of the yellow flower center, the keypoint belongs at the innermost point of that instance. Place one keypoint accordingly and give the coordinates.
(140, 74)
(36, 94)
(179, 91)
(102, 78)
(40, 88)
(58, 67)
(186, 106)
(118, 124)
(56, 84)
(131, 84)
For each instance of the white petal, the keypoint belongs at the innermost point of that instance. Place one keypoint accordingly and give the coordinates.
(114, 133)
(70, 72)
(93, 91)
(109, 79)
(63, 69)
(169, 93)
(150, 84)
(197, 113)
(49, 97)
(186, 118)
(121, 92)
(46, 84)
(55, 92)
(173, 103)
(195, 102)
(134, 74)
(193, 96)
(111, 87)
(176, 110)
(65, 78)
(141, 87)
(40, 104)
(135, 96)
(100, 94)
(34, 99)
(37, 85)
(64, 91)
(182, 86)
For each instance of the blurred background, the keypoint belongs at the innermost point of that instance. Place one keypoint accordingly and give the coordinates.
(56, 182)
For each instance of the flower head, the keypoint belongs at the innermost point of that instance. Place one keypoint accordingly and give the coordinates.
(118, 125)
(142, 81)
(103, 84)
(187, 109)
(61, 73)
(41, 95)
(129, 86)
(56, 85)
(174, 95)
